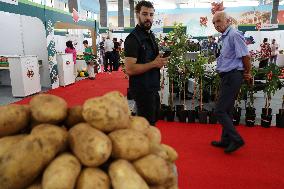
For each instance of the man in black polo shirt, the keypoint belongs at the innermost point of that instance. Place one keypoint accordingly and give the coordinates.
(143, 63)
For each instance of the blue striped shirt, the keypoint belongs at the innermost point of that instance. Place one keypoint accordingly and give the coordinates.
(233, 49)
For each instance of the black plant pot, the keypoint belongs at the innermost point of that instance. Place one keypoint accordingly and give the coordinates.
(250, 120)
(170, 115)
(281, 111)
(264, 111)
(182, 115)
(250, 111)
(266, 120)
(280, 120)
(179, 108)
(202, 117)
(237, 112)
(191, 116)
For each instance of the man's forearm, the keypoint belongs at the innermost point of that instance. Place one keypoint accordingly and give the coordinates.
(247, 64)
(136, 69)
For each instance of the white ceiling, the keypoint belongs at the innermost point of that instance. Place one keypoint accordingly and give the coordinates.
(172, 4)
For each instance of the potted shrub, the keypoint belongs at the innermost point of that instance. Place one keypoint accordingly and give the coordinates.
(178, 44)
(280, 116)
(271, 86)
(199, 70)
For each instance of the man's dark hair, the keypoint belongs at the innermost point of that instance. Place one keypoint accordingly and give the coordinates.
(265, 40)
(140, 4)
(85, 42)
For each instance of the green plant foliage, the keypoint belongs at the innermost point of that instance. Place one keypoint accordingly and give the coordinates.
(272, 82)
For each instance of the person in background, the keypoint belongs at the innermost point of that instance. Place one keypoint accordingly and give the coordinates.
(233, 65)
(102, 51)
(121, 45)
(274, 51)
(108, 54)
(88, 55)
(70, 49)
(115, 54)
(143, 63)
(212, 46)
(265, 53)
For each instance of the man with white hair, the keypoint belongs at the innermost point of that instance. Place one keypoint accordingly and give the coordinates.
(233, 65)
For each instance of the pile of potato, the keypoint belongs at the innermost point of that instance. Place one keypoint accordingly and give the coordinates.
(46, 145)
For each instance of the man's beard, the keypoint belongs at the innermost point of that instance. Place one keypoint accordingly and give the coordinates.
(145, 25)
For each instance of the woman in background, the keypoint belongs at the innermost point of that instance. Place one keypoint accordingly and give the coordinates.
(265, 53)
(71, 50)
(274, 51)
(88, 55)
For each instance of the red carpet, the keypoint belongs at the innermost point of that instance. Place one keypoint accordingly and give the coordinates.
(78, 92)
(258, 165)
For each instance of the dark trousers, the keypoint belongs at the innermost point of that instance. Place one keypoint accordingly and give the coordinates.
(108, 61)
(148, 105)
(263, 63)
(115, 56)
(229, 88)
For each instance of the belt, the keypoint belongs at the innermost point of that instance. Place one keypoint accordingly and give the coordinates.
(222, 74)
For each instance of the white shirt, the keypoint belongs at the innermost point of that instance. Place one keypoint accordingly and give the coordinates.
(274, 49)
(108, 45)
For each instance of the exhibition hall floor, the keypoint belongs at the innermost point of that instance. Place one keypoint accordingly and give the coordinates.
(258, 165)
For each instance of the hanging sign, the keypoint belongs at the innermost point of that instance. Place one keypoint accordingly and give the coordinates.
(269, 26)
(14, 2)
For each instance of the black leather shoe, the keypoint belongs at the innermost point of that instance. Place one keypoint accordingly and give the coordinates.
(219, 144)
(233, 146)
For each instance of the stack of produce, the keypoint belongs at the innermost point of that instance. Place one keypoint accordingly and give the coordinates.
(46, 145)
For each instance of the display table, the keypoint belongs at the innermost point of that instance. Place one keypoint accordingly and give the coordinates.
(65, 66)
(24, 74)
(280, 60)
(81, 65)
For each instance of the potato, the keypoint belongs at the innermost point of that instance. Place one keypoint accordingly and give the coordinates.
(153, 169)
(91, 146)
(158, 150)
(124, 176)
(46, 108)
(6, 143)
(13, 118)
(93, 178)
(117, 97)
(36, 185)
(139, 123)
(154, 134)
(129, 144)
(158, 187)
(172, 181)
(61, 173)
(105, 114)
(74, 116)
(171, 152)
(25, 161)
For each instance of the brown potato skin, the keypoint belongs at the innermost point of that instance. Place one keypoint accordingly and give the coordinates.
(6, 143)
(26, 160)
(139, 124)
(91, 146)
(74, 116)
(153, 169)
(124, 176)
(47, 108)
(13, 118)
(62, 172)
(93, 178)
(129, 144)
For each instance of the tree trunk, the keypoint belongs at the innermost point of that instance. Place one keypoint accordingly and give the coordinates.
(131, 5)
(274, 12)
(103, 13)
(120, 14)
